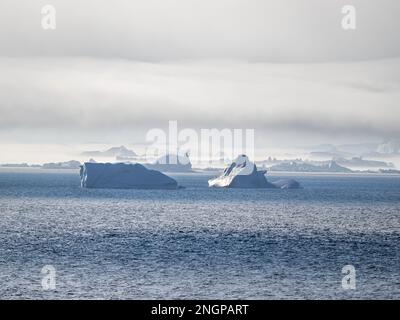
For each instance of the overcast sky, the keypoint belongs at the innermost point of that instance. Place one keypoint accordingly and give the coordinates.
(113, 69)
(154, 30)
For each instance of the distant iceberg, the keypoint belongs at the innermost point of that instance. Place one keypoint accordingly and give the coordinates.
(242, 173)
(301, 166)
(73, 164)
(121, 151)
(123, 176)
(389, 147)
(171, 163)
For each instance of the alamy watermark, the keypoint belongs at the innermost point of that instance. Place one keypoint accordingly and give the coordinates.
(49, 277)
(349, 20)
(210, 146)
(349, 280)
(48, 20)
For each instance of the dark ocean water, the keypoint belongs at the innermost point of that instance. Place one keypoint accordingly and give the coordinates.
(199, 242)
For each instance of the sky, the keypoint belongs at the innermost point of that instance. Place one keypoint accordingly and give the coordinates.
(112, 70)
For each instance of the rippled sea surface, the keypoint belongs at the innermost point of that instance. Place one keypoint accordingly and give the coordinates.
(199, 242)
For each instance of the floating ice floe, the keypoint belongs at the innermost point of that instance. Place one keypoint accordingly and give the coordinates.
(123, 176)
(286, 184)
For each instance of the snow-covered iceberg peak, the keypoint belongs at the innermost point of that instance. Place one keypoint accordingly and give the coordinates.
(241, 173)
(123, 176)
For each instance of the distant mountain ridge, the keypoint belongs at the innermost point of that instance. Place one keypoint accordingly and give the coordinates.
(121, 151)
(294, 166)
(388, 147)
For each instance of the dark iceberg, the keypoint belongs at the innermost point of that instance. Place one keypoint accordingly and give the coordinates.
(123, 176)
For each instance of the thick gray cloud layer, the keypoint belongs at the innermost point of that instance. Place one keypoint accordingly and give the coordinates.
(208, 63)
(153, 30)
(91, 96)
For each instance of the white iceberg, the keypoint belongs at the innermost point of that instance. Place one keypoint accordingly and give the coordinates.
(242, 173)
(123, 176)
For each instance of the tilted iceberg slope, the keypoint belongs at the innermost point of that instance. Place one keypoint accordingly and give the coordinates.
(242, 173)
(123, 176)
